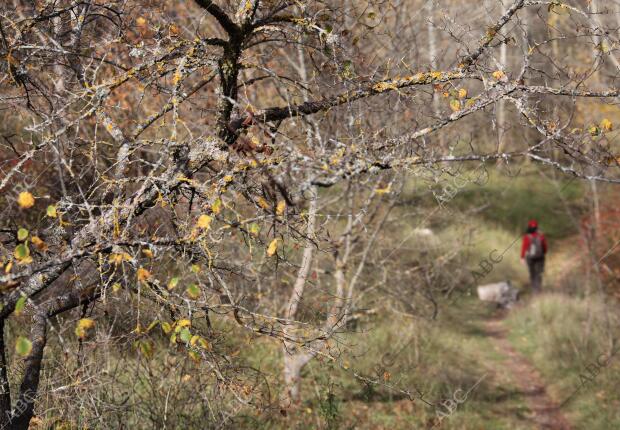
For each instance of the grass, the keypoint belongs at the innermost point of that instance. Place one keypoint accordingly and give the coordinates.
(510, 201)
(436, 357)
(563, 336)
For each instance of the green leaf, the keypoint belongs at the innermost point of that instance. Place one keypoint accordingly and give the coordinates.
(21, 252)
(152, 325)
(23, 346)
(173, 283)
(145, 347)
(22, 234)
(455, 105)
(185, 335)
(51, 211)
(19, 306)
(193, 291)
(254, 229)
(165, 326)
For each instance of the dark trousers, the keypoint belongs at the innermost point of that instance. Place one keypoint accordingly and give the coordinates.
(537, 267)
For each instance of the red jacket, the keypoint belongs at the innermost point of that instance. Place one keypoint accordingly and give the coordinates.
(526, 242)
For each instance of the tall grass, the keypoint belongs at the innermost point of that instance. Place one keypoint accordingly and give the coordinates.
(564, 337)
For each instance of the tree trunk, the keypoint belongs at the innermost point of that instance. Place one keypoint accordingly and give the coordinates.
(501, 107)
(5, 389)
(432, 59)
(293, 365)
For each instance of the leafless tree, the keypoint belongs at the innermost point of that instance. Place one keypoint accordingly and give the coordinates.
(170, 163)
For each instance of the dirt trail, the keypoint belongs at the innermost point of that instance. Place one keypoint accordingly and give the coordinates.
(545, 412)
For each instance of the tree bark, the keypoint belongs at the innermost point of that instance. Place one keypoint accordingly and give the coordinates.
(24, 407)
(5, 389)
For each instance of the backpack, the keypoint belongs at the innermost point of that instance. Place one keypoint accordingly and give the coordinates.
(535, 250)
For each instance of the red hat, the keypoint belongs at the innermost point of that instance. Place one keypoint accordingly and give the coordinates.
(532, 223)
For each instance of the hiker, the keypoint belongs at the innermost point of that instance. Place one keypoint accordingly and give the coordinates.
(533, 252)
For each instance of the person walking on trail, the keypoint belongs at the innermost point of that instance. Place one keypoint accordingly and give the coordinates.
(533, 252)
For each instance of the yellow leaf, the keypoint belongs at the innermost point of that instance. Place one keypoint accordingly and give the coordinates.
(165, 326)
(141, 21)
(203, 343)
(217, 206)
(173, 283)
(183, 323)
(383, 190)
(498, 74)
(25, 200)
(254, 229)
(115, 259)
(143, 274)
(462, 93)
(26, 260)
(204, 221)
(263, 203)
(147, 252)
(273, 247)
(455, 105)
(38, 243)
(176, 78)
(607, 125)
(281, 207)
(152, 325)
(83, 326)
(228, 178)
(173, 30)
